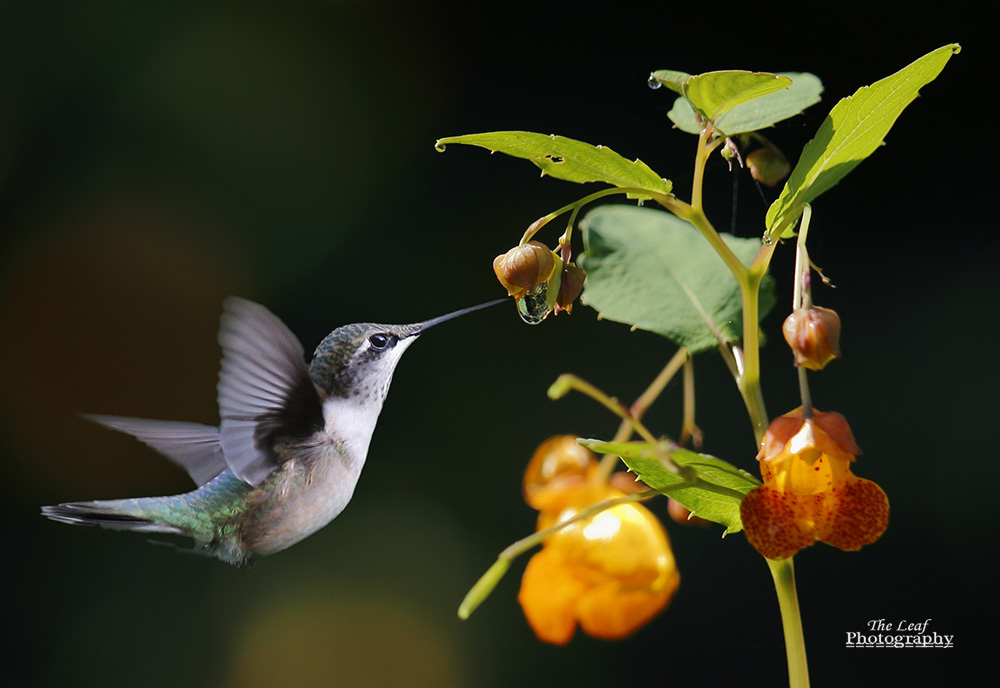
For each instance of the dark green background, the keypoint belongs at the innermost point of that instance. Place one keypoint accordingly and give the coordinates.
(156, 157)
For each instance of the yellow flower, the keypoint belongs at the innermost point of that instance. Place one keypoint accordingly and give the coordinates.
(809, 492)
(557, 463)
(610, 573)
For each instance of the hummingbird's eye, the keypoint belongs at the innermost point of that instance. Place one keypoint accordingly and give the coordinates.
(380, 341)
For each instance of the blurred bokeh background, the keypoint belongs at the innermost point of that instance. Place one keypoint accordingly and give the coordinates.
(157, 157)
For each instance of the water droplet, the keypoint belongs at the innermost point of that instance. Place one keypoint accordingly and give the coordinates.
(533, 307)
(439, 147)
(767, 240)
(653, 82)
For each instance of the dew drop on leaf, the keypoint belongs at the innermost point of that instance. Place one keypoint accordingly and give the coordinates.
(653, 82)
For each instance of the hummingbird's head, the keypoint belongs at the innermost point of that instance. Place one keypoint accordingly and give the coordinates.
(356, 361)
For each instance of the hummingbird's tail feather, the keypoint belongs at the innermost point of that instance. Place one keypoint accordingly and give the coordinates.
(162, 515)
(114, 515)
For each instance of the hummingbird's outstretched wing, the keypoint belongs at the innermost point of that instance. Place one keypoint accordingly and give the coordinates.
(192, 446)
(264, 389)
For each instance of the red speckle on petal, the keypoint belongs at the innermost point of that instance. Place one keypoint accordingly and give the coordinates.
(861, 517)
(773, 522)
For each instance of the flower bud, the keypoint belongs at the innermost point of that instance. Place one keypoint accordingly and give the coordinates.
(569, 288)
(523, 268)
(814, 336)
(558, 462)
(768, 165)
(681, 514)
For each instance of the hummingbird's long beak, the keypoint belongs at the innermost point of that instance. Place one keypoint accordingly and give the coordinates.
(420, 327)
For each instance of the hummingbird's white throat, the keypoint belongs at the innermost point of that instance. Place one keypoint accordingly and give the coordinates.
(351, 420)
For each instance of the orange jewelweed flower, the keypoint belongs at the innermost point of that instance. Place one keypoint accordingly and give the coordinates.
(609, 574)
(809, 492)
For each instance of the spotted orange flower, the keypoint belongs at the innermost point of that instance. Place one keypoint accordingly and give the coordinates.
(809, 492)
(609, 574)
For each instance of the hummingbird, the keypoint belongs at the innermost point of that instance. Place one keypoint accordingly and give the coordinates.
(290, 445)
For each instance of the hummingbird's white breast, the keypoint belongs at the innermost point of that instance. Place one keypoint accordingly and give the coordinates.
(303, 495)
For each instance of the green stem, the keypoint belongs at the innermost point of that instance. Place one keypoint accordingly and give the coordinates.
(802, 299)
(749, 380)
(707, 142)
(783, 572)
(542, 221)
(639, 408)
(666, 200)
(689, 430)
(747, 372)
(518, 548)
(566, 382)
(801, 294)
(694, 213)
(804, 394)
(700, 222)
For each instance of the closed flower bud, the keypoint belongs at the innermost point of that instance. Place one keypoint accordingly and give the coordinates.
(524, 268)
(557, 463)
(768, 165)
(569, 288)
(814, 335)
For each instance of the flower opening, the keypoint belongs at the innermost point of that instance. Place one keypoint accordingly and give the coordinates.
(809, 492)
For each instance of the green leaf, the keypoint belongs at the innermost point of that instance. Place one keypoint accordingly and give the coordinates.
(570, 160)
(852, 131)
(669, 78)
(715, 93)
(758, 113)
(716, 506)
(649, 269)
